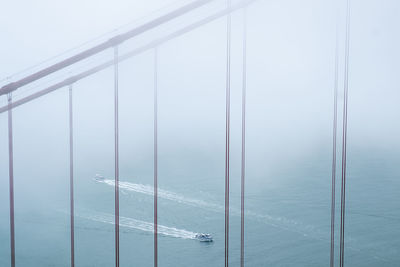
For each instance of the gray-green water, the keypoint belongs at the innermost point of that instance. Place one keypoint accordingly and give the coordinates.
(287, 225)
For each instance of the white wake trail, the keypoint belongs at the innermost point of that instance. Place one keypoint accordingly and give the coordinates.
(149, 190)
(278, 222)
(141, 225)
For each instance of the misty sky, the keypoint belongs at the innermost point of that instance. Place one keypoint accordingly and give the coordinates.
(291, 46)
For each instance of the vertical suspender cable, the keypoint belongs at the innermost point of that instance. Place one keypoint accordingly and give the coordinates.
(116, 168)
(344, 144)
(243, 162)
(334, 143)
(11, 179)
(71, 178)
(227, 129)
(155, 163)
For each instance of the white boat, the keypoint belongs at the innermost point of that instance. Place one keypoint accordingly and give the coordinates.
(204, 237)
(98, 177)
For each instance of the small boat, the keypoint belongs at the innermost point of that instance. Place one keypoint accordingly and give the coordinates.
(98, 177)
(204, 237)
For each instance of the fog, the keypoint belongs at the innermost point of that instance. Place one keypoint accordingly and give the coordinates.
(290, 88)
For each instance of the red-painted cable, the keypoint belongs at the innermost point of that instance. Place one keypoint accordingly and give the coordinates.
(227, 131)
(11, 179)
(116, 158)
(344, 141)
(71, 178)
(243, 160)
(155, 162)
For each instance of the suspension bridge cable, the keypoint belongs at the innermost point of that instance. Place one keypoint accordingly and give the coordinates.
(227, 130)
(127, 55)
(96, 38)
(155, 160)
(344, 141)
(11, 179)
(334, 142)
(116, 146)
(116, 40)
(243, 160)
(71, 177)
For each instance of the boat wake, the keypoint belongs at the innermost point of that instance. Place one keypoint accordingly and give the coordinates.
(274, 221)
(140, 225)
(168, 195)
